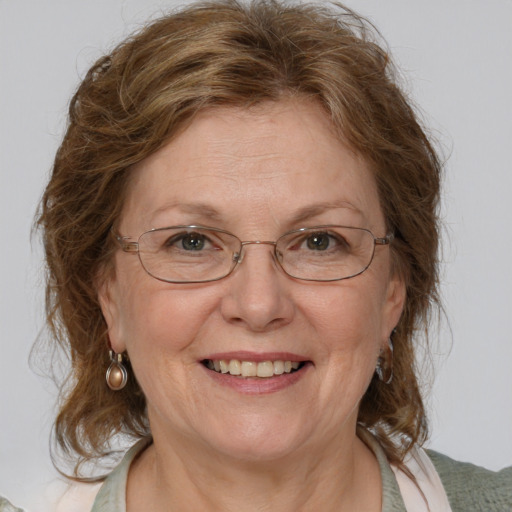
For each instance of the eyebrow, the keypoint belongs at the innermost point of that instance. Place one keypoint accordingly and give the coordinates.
(314, 210)
(301, 215)
(201, 209)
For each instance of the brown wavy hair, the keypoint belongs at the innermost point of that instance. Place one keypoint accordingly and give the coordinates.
(133, 100)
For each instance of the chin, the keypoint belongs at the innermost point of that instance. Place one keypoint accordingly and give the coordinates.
(259, 440)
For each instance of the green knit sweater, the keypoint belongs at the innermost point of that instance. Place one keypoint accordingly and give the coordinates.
(471, 488)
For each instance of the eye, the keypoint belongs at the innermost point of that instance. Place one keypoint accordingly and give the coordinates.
(318, 241)
(323, 241)
(193, 242)
(188, 241)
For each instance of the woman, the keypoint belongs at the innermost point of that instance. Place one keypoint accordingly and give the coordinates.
(241, 236)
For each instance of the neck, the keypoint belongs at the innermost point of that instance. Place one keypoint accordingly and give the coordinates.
(181, 476)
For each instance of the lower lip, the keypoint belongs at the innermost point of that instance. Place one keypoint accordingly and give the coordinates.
(258, 385)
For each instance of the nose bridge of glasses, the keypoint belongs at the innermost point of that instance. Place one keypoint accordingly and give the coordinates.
(240, 256)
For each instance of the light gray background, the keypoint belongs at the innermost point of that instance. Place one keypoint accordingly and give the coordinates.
(456, 56)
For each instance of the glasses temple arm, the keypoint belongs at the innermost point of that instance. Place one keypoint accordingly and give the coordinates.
(386, 240)
(125, 245)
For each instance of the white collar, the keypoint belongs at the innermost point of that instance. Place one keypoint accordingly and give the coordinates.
(427, 479)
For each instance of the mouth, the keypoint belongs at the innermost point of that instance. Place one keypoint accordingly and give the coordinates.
(255, 369)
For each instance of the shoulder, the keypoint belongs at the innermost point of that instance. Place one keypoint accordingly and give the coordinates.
(7, 506)
(471, 487)
(112, 494)
(79, 497)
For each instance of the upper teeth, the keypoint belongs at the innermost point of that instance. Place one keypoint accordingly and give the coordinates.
(252, 368)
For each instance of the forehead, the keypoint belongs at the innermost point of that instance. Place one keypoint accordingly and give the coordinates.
(266, 164)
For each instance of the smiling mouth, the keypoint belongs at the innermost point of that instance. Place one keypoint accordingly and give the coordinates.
(262, 369)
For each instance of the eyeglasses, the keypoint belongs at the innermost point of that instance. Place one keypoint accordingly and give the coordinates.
(198, 254)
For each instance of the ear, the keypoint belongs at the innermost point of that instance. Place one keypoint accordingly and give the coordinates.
(109, 299)
(394, 304)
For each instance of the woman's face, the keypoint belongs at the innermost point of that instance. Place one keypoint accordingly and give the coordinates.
(257, 174)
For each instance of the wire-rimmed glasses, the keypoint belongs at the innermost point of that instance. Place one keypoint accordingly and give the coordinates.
(199, 254)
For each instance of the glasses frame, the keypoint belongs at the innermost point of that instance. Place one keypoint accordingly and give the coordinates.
(129, 246)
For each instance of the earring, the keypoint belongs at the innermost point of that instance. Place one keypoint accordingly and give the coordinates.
(384, 368)
(116, 375)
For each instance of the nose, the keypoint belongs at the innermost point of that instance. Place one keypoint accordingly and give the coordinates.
(258, 295)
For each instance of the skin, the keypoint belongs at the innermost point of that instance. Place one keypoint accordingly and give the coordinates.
(253, 172)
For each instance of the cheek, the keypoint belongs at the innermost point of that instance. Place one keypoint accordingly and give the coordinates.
(162, 326)
(161, 319)
(348, 324)
(351, 309)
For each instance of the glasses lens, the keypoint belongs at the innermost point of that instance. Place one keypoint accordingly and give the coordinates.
(326, 253)
(187, 254)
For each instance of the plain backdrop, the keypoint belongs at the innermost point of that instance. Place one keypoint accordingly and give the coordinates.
(456, 58)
